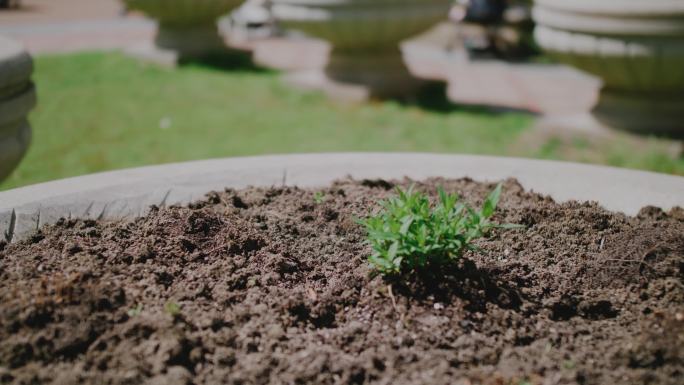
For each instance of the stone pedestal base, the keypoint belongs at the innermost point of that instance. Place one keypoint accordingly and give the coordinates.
(357, 77)
(173, 46)
(582, 123)
(149, 53)
(190, 42)
(15, 132)
(14, 142)
(661, 115)
(17, 98)
(317, 80)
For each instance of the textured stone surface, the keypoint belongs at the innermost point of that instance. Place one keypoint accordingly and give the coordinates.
(129, 193)
(16, 66)
(184, 13)
(14, 141)
(15, 107)
(187, 27)
(365, 37)
(17, 98)
(635, 47)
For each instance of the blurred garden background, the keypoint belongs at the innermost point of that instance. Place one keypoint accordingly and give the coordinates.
(100, 108)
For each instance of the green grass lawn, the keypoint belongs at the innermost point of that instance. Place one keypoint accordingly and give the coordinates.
(100, 111)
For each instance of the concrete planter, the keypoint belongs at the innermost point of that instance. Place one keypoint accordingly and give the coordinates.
(17, 98)
(365, 37)
(635, 46)
(129, 193)
(187, 28)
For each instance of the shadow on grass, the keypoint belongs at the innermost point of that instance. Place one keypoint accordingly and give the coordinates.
(231, 60)
(433, 97)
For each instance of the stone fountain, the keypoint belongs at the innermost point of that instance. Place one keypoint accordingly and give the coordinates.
(636, 47)
(187, 29)
(365, 59)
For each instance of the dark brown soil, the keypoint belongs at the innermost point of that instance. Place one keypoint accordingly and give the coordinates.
(271, 286)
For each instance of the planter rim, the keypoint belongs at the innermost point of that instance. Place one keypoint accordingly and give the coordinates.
(347, 3)
(185, 13)
(288, 12)
(130, 192)
(607, 24)
(630, 8)
(654, 27)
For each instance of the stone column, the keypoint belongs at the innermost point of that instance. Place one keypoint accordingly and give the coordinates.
(635, 46)
(17, 98)
(365, 37)
(187, 29)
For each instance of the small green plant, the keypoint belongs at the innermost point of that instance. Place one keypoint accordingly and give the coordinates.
(411, 234)
(172, 308)
(319, 197)
(136, 311)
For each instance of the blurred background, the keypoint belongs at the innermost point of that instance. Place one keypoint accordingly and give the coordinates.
(95, 85)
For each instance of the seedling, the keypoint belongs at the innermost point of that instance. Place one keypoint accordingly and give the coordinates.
(172, 308)
(410, 234)
(319, 197)
(135, 311)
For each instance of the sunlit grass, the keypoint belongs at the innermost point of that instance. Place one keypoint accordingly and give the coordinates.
(104, 111)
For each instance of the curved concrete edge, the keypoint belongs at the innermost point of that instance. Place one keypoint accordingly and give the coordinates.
(129, 193)
(657, 8)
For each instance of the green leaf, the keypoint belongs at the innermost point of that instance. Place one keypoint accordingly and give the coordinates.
(392, 251)
(474, 216)
(172, 308)
(135, 311)
(492, 200)
(406, 224)
(442, 196)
